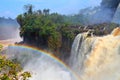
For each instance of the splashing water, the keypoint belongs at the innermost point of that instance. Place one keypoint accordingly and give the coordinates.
(96, 58)
(40, 64)
(9, 35)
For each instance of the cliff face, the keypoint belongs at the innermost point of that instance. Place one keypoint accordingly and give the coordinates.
(116, 18)
(113, 6)
(106, 12)
(66, 39)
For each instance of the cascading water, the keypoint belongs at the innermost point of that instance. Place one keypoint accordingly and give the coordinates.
(80, 44)
(96, 58)
(92, 58)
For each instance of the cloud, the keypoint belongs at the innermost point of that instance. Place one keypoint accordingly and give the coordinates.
(29, 0)
(62, 6)
(73, 6)
(95, 2)
(7, 14)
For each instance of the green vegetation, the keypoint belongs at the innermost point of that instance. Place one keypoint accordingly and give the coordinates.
(1, 47)
(10, 70)
(44, 29)
(54, 31)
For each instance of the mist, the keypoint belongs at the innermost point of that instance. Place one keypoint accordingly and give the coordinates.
(107, 12)
(9, 29)
(41, 65)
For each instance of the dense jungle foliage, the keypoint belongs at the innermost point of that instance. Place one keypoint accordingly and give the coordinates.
(55, 32)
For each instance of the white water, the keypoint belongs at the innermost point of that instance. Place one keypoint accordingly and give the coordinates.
(96, 58)
(92, 58)
(41, 66)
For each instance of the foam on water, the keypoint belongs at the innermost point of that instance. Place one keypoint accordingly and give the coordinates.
(97, 58)
(41, 64)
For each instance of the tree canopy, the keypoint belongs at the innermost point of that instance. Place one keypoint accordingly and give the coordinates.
(44, 29)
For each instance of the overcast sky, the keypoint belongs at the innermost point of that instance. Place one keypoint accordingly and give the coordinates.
(11, 8)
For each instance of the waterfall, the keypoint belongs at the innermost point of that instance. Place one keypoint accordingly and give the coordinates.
(41, 65)
(80, 48)
(96, 58)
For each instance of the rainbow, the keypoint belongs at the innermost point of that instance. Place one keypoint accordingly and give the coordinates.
(48, 54)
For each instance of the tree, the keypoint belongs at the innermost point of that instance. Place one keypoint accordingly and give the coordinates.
(39, 12)
(29, 8)
(10, 70)
(20, 20)
(1, 47)
(46, 11)
(42, 29)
